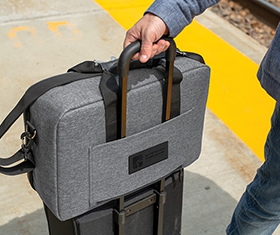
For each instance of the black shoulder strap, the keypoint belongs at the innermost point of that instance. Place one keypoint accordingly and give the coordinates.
(31, 95)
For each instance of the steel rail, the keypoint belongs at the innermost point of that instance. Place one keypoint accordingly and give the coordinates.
(263, 10)
(269, 6)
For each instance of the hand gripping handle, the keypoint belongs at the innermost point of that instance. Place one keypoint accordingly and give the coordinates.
(123, 70)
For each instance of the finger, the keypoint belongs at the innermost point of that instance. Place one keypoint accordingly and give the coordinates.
(130, 38)
(146, 51)
(136, 56)
(162, 45)
(155, 50)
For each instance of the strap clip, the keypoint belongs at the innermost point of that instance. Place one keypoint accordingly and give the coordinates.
(28, 136)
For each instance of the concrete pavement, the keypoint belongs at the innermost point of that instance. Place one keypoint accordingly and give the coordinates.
(43, 38)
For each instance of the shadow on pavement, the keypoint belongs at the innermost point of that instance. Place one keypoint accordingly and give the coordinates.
(30, 224)
(207, 208)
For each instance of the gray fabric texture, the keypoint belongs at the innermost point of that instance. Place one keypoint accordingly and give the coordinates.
(76, 170)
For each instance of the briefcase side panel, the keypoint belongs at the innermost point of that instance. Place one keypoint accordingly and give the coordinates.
(63, 139)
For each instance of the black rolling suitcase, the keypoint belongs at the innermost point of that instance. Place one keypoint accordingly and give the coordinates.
(153, 210)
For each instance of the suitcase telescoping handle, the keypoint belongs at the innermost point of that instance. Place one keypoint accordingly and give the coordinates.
(123, 70)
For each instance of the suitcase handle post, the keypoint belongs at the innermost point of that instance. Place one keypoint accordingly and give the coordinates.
(123, 70)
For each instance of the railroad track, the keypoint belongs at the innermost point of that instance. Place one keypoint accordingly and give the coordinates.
(263, 10)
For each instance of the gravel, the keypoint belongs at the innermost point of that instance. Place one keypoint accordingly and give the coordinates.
(243, 19)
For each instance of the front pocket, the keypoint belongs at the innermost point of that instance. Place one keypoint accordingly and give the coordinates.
(109, 162)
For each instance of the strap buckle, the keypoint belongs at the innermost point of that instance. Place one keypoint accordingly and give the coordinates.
(28, 136)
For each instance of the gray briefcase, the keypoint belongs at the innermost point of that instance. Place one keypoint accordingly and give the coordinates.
(98, 132)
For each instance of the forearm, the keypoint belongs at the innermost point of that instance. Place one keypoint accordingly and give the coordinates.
(177, 14)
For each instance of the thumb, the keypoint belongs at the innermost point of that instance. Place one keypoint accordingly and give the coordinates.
(145, 51)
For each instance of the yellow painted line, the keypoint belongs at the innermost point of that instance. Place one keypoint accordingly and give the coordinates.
(13, 34)
(235, 95)
(56, 26)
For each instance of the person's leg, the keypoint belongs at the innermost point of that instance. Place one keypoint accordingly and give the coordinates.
(258, 211)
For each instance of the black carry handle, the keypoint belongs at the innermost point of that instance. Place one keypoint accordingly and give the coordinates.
(123, 70)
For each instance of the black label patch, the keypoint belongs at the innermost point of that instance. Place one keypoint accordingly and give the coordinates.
(148, 157)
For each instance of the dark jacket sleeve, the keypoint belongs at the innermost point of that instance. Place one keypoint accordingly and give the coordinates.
(177, 14)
